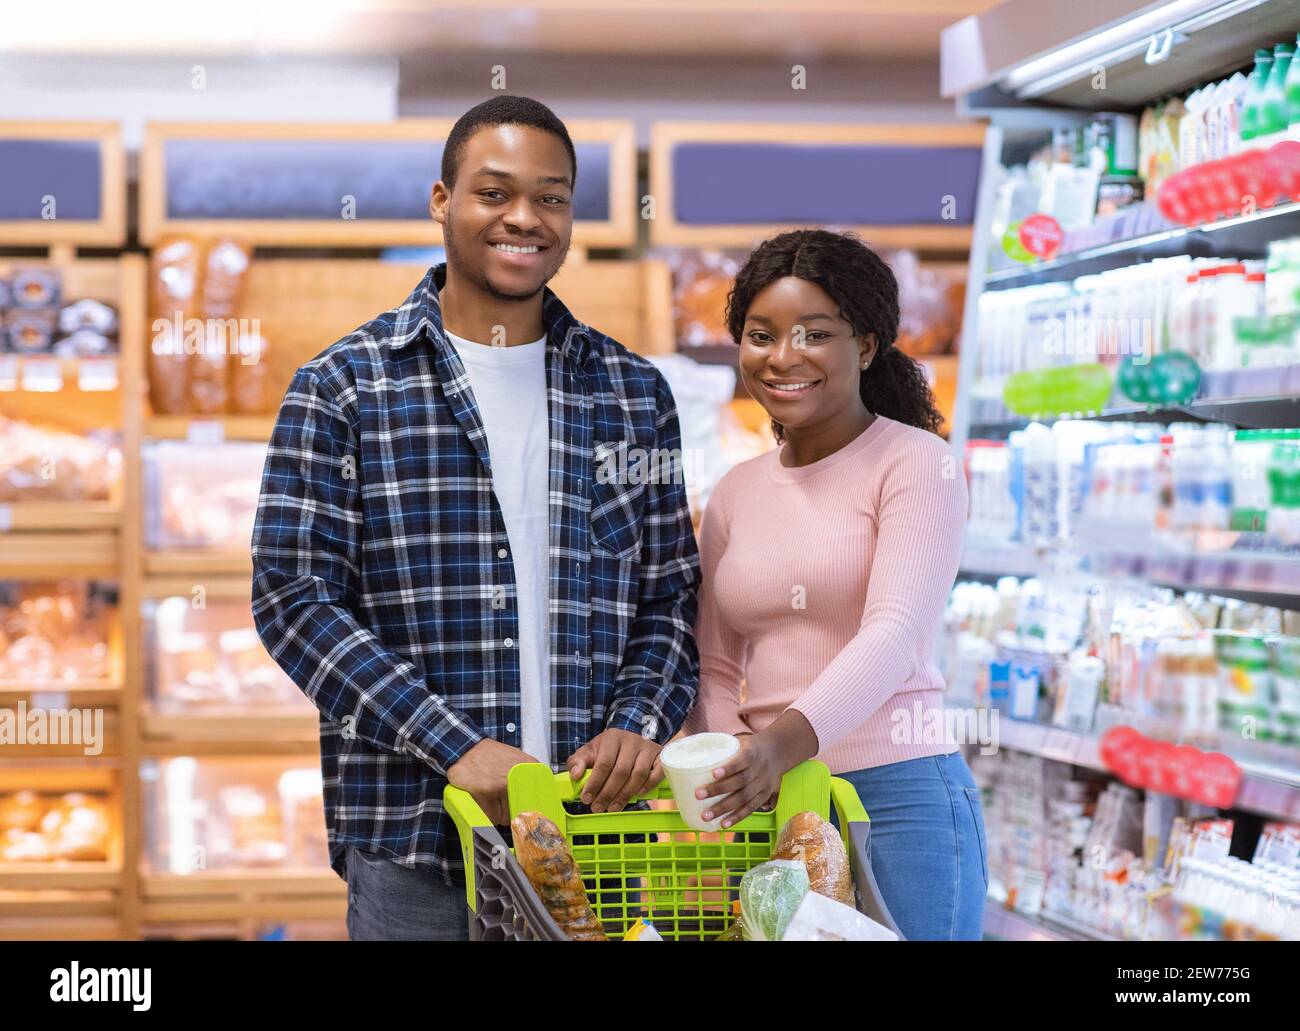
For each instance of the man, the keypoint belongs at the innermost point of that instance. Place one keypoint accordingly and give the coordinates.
(440, 563)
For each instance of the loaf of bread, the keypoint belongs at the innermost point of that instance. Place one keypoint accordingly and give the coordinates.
(550, 867)
(815, 842)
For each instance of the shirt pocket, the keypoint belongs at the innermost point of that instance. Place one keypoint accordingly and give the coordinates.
(617, 500)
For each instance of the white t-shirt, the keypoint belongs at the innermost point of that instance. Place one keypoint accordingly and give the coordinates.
(509, 385)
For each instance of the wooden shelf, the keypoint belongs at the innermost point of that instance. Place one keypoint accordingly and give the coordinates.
(61, 928)
(272, 894)
(210, 427)
(78, 692)
(29, 516)
(61, 874)
(48, 556)
(55, 902)
(180, 563)
(216, 588)
(293, 727)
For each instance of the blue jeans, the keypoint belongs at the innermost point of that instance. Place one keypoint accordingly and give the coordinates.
(927, 847)
(388, 902)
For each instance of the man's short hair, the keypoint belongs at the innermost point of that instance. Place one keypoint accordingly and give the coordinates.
(502, 110)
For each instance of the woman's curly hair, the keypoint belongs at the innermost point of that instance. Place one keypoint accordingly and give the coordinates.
(864, 288)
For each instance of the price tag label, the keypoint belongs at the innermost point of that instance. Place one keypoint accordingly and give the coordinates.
(97, 374)
(205, 431)
(6, 518)
(42, 375)
(49, 700)
(9, 365)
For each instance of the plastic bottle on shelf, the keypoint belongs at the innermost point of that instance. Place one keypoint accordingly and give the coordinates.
(1250, 108)
(1215, 471)
(1234, 96)
(1234, 298)
(1040, 489)
(1273, 113)
(1293, 97)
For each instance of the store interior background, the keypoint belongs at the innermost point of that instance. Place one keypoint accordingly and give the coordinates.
(201, 817)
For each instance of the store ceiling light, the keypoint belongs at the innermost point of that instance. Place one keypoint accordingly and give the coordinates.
(1120, 42)
(166, 26)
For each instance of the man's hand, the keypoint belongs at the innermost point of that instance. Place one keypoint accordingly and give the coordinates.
(482, 771)
(622, 764)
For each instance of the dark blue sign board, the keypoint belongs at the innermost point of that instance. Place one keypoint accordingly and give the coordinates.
(757, 183)
(68, 171)
(307, 180)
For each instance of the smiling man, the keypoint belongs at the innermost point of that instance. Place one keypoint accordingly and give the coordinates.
(437, 564)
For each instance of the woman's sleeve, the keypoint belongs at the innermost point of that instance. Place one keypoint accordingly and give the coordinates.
(922, 517)
(722, 649)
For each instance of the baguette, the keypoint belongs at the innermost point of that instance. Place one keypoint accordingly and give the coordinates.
(550, 868)
(814, 841)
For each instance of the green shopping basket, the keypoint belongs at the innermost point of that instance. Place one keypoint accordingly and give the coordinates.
(644, 862)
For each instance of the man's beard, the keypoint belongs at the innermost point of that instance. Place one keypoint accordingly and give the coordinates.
(479, 279)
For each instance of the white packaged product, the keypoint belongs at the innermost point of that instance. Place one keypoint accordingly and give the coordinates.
(821, 919)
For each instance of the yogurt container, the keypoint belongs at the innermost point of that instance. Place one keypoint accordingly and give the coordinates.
(689, 764)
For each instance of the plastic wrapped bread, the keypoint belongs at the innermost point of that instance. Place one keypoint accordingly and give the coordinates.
(817, 844)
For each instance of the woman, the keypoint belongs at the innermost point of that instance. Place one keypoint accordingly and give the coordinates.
(827, 563)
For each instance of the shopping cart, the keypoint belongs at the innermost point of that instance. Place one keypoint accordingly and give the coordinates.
(644, 862)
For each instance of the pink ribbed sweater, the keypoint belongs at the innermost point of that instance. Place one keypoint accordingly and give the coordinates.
(824, 586)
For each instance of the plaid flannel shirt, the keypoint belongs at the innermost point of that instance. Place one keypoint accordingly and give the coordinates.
(383, 586)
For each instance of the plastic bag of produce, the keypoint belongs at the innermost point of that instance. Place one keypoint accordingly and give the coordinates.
(769, 895)
(822, 919)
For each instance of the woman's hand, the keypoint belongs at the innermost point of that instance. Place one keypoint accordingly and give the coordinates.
(753, 777)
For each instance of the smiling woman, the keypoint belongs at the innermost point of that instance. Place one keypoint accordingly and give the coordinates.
(826, 567)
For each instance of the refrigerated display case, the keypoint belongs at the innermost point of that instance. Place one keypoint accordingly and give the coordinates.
(1126, 412)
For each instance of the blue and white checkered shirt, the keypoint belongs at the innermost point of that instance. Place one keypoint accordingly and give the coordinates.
(382, 582)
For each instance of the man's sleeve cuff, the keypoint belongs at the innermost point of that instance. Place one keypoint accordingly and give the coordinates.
(639, 717)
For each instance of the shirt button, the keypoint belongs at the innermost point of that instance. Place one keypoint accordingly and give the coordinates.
(510, 727)
(501, 553)
(509, 642)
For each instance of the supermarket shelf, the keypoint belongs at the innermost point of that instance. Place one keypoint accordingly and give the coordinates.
(220, 563)
(43, 556)
(271, 894)
(1266, 789)
(54, 902)
(223, 587)
(1266, 577)
(211, 428)
(26, 516)
(1266, 398)
(75, 693)
(1243, 237)
(290, 726)
(64, 876)
(1008, 925)
(60, 928)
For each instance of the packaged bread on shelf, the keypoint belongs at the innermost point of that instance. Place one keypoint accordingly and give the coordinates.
(175, 273)
(250, 377)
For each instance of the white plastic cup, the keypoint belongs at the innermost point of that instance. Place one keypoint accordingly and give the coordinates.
(689, 764)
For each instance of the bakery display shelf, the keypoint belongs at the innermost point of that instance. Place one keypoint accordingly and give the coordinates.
(55, 902)
(46, 777)
(105, 692)
(178, 562)
(1242, 236)
(269, 909)
(46, 555)
(209, 428)
(1266, 788)
(295, 727)
(28, 516)
(237, 742)
(269, 894)
(61, 928)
